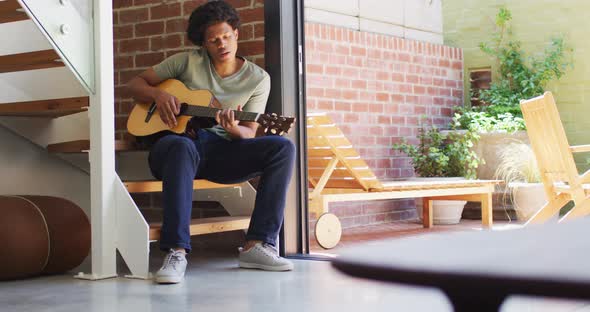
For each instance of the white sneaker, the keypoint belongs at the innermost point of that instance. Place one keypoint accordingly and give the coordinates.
(264, 257)
(173, 268)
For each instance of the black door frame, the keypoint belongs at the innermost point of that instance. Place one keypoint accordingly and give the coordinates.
(284, 60)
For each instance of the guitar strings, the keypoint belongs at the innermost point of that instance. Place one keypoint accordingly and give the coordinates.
(211, 112)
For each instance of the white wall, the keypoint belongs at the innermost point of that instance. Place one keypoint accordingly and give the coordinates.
(411, 19)
(27, 169)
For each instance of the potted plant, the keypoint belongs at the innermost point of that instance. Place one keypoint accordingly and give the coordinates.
(519, 76)
(516, 76)
(495, 132)
(442, 155)
(518, 168)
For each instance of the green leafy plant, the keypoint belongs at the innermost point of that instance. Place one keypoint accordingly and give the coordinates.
(519, 77)
(439, 155)
(483, 122)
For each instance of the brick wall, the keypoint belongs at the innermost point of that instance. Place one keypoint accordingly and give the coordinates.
(148, 31)
(376, 88)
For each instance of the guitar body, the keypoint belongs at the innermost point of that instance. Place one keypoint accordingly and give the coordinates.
(136, 124)
(144, 119)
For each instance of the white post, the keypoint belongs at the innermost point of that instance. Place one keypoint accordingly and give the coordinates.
(102, 149)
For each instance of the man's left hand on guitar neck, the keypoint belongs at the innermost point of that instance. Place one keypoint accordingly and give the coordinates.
(235, 128)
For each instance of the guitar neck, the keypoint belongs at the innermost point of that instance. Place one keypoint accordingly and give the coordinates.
(204, 111)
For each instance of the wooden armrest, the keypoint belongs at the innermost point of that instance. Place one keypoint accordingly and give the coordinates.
(580, 148)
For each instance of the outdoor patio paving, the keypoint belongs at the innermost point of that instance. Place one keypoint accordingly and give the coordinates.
(399, 229)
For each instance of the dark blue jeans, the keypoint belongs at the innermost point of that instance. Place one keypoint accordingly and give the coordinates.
(178, 160)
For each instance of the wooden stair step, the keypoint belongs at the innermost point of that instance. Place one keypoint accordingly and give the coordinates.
(156, 186)
(207, 226)
(45, 108)
(11, 11)
(83, 146)
(30, 61)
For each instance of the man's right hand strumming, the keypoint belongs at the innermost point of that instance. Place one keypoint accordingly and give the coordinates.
(168, 107)
(142, 89)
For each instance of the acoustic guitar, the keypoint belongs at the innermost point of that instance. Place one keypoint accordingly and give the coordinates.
(144, 118)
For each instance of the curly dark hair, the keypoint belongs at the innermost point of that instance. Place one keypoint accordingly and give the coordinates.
(209, 14)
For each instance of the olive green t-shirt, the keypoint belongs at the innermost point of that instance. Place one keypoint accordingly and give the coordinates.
(248, 87)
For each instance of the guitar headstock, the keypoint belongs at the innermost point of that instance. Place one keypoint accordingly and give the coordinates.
(274, 124)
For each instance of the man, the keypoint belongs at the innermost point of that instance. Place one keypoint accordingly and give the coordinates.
(225, 153)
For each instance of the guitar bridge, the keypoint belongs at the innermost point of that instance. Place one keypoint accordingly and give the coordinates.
(150, 112)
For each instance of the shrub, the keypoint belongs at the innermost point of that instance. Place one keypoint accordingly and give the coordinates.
(519, 76)
(438, 155)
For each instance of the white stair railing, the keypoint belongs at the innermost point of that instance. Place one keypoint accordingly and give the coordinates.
(81, 32)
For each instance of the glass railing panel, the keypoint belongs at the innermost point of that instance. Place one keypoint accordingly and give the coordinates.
(69, 26)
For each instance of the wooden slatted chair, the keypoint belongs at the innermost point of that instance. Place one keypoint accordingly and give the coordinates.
(337, 173)
(557, 167)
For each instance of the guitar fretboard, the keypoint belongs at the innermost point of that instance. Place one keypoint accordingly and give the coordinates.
(204, 111)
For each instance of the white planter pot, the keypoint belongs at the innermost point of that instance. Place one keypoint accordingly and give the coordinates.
(444, 211)
(528, 199)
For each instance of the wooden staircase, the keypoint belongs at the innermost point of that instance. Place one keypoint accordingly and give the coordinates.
(30, 61)
(10, 11)
(45, 108)
(83, 146)
(198, 226)
(207, 226)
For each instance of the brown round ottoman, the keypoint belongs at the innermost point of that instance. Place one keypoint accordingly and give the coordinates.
(41, 235)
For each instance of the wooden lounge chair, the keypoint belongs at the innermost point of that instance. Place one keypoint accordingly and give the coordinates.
(337, 173)
(557, 167)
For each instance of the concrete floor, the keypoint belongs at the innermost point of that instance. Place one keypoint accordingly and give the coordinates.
(214, 283)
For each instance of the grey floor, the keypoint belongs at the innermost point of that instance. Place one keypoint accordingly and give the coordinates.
(214, 283)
